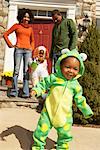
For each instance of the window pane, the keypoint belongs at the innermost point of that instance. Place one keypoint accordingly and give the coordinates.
(64, 14)
(49, 14)
(41, 13)
(34, 12)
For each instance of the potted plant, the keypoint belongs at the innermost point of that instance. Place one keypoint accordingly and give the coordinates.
(7, 78)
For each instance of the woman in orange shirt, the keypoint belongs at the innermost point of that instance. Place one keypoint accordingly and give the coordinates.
(23, 49)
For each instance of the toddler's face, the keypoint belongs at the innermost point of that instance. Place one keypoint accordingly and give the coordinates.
(41, 53)
(70, 67)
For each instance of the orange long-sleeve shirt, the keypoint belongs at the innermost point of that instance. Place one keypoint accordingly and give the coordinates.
(24, 36)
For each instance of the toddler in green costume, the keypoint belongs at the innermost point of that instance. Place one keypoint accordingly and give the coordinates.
(63, 87)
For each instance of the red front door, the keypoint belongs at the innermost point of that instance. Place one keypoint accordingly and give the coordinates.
(43, 35)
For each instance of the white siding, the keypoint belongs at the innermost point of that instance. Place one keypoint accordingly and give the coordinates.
(98, 9)
(46, 1)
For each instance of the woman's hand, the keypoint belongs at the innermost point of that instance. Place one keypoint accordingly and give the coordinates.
(14, 46)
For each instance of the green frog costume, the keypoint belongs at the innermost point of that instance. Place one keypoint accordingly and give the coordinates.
(57, 111)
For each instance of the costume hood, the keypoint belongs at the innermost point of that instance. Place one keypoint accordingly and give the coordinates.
(75, 54)
(37, 49)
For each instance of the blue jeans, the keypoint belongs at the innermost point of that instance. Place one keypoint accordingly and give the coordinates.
(20, 53)
(55, 57)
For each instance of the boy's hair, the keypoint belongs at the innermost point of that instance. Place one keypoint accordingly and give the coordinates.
(56, 11)
(63, 60)
(21, 14)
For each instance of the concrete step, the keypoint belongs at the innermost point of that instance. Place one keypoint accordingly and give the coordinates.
(6, 101)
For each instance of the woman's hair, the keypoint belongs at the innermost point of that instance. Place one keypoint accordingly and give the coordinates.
(21, 14)
(56, 11)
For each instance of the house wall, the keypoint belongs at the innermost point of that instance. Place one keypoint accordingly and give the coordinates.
(75, 9)
(3, 26)
(84, 7)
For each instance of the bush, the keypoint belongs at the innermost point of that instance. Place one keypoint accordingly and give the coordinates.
(91, 79)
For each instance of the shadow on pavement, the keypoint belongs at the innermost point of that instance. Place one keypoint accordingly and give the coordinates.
(24, 137)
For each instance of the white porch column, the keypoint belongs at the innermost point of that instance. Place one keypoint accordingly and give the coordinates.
(71, 12)
(8, 60)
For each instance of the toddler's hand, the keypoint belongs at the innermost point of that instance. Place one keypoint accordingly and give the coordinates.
(33, 93)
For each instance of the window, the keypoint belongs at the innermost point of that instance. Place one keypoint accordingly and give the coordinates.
(45, 13)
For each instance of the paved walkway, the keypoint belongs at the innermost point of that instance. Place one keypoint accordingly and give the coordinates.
(17, 125)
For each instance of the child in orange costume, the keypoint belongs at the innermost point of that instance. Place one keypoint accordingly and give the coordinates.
(39, 70)
(41, 55)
